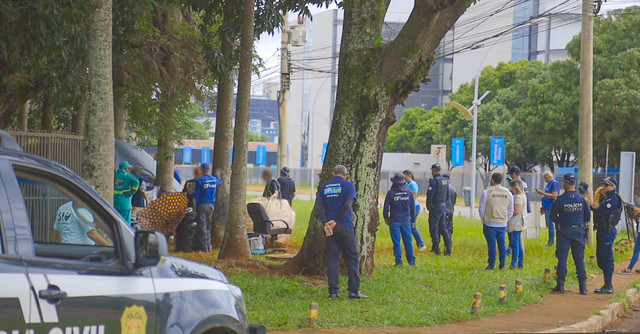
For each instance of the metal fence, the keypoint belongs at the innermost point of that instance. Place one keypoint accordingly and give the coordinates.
(62, 148)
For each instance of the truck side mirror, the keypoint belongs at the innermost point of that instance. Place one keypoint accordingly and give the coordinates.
(150, 247)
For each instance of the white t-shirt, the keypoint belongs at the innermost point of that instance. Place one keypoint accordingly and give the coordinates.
(518, 222)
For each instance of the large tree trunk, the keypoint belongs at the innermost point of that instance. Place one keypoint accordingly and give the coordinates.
(98, 157)
(235, 244)
(373, 79)
(78, 119)
(120, 120)
(164, 158)
(224, 137)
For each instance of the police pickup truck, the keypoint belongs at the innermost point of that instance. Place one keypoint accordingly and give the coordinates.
(113, 281)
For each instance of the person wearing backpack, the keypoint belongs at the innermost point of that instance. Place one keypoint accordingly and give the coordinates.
(606, 216)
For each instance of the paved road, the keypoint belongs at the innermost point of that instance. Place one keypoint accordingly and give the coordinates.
(630, 322)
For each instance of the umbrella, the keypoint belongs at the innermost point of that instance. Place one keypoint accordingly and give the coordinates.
(165, 213)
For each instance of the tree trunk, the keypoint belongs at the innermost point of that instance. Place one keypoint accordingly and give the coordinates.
(98, 157)
(235, 244)
(373, 78)
(224, 137)
(164, 158)
(78, 120)
(120, 120)
(24, 116)
(46, 122)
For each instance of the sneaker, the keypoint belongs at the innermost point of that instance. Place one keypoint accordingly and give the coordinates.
(625, 272)
(423, 248)
(549, 245)
(398, 265)
(489, 268)
(334, 296)
(357, 295)
(606, 290)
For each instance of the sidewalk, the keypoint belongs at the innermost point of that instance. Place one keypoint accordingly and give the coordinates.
(554, 310)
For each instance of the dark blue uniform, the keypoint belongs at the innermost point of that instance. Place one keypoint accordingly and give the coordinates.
(400, 212)
(606, 217)
(571, 213)
(334, 203)
(437, 198)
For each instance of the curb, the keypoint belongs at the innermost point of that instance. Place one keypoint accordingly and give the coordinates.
(604, 318)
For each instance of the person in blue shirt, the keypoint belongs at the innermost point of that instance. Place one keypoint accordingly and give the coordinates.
(415, 188)
(333, 208)
(437, 198)
(205, 193)
(606, 216)
(76, 226)
(399, 213)
(549, 195)
(571, 213)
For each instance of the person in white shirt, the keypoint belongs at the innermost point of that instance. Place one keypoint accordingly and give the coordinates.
(517, 224)
(496, 208)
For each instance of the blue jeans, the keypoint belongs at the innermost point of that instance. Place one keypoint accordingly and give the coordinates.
(636, 252)
(415, 232)
(551, 226)
(517, 252)
(495, 235)
(402, 230)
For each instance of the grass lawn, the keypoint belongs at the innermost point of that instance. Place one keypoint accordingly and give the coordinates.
(438, 290)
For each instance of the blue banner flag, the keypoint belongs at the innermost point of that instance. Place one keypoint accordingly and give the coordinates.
(261, 155)
(187, 155)
(457, 151)
(497, 151)
(205, 155)
(324, 151)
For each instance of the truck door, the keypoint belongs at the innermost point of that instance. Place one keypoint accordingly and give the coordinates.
(76, 268)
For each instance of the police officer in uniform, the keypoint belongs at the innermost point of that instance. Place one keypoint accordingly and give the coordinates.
(571, 213)
(333, 207)
(606, 216)
(437, 199)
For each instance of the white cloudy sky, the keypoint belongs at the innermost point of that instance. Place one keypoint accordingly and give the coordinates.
(268, 46)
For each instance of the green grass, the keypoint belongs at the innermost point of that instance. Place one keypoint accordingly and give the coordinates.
(438, 290)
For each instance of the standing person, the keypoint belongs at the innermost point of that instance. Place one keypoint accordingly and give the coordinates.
(139, 199)
(516, 174)
(571, 213)
(606, 216)
(333, 207)
(272, 187)
(205, 194)
(287, 185)
(583, 189)
(496, 208)
(437, 198)
(399, 213)
(451, 204)
(125, 185)
(415, 188)
(549, 195)
(517, 224)
(190, 188)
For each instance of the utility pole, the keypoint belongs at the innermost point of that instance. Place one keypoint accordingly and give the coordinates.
(283, 94)
(585, 136)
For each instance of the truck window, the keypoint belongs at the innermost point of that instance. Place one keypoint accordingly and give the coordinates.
(64, 222)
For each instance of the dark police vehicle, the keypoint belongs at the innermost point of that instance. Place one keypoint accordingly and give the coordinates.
(113, 281)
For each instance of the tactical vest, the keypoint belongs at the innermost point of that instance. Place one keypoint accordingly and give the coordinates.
(442, 191)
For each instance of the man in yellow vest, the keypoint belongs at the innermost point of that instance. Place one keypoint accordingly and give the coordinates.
(125, 186)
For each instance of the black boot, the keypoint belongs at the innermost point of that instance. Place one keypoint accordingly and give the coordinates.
(606, 289)
(559, 288)
(583, 287)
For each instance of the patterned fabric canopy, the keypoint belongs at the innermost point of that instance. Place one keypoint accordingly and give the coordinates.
(165, 213)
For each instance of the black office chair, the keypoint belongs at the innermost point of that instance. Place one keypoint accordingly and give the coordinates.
(262, 224)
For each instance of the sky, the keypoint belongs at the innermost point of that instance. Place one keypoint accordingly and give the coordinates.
(268, 46)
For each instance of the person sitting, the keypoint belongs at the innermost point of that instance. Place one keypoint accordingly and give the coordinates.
(76, 227)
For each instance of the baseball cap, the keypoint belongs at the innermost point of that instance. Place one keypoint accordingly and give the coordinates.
(204, 165)
(611, 181)
(124, 164)
(569, 178)
(435, 167)
(584, 187)
(398, 178)
(514, 170)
